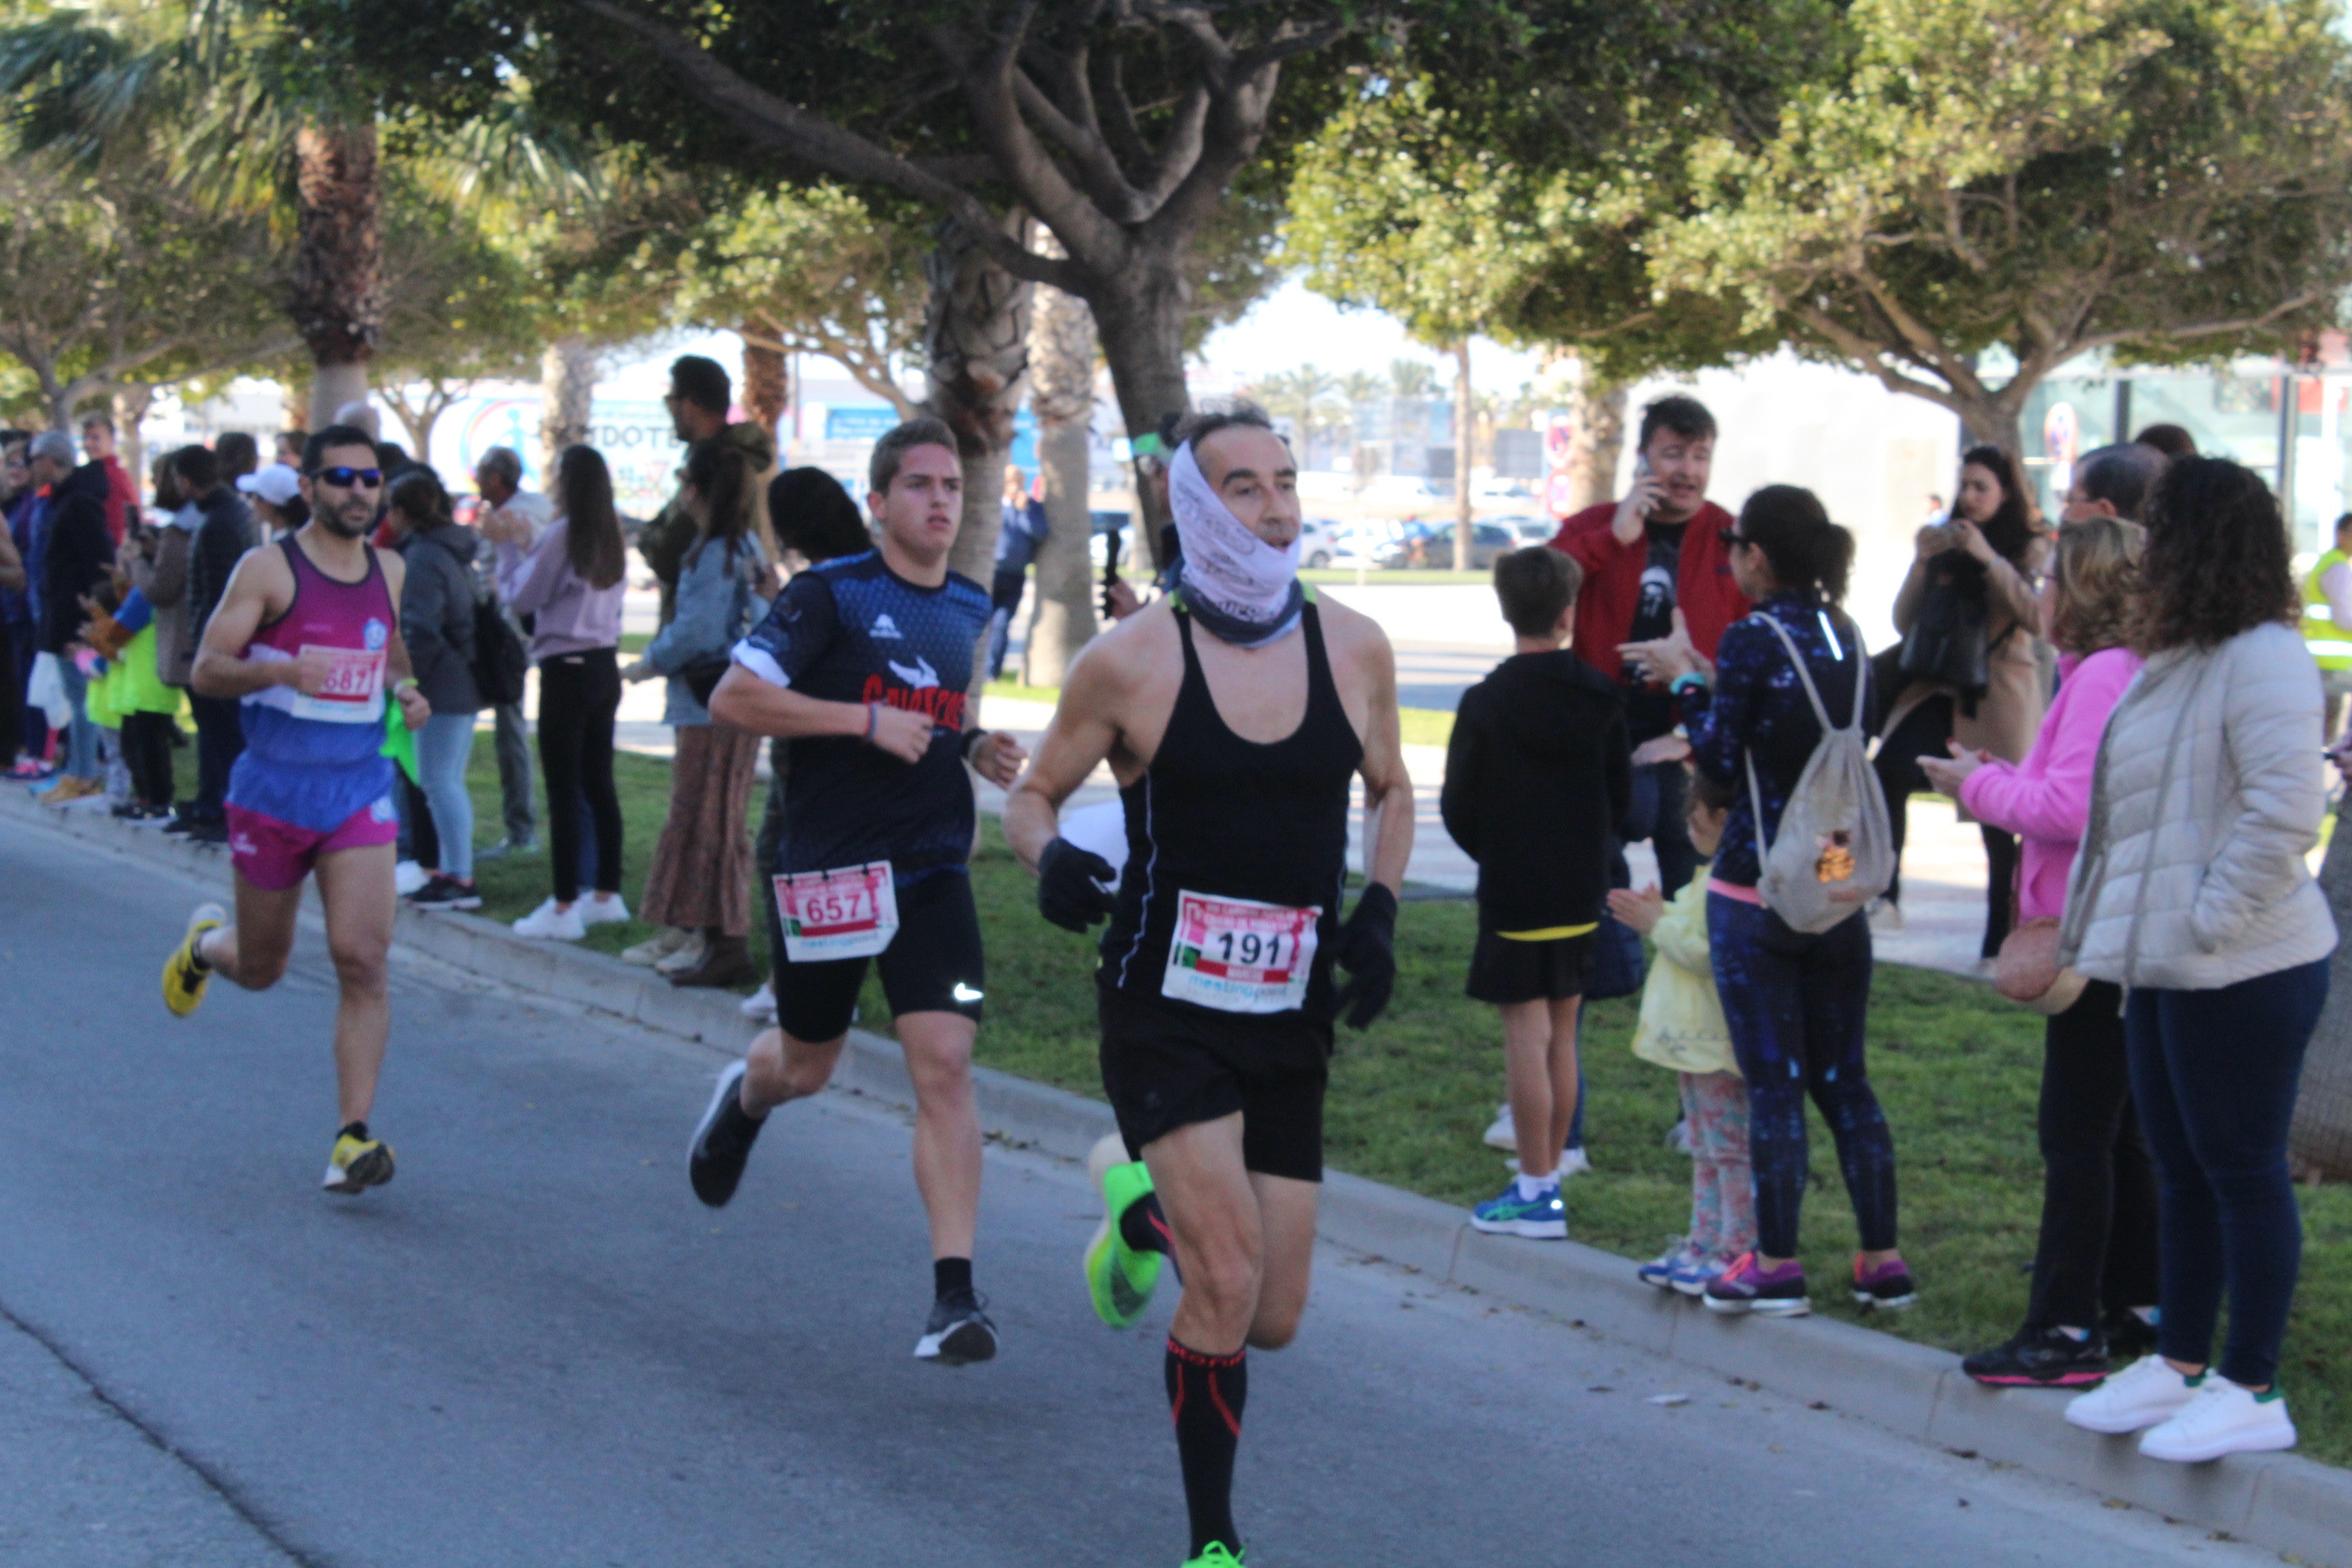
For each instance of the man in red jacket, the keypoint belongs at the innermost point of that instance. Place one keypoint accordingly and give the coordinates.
(1657, 550)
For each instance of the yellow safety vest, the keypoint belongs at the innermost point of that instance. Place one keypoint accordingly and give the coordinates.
(2330, 644)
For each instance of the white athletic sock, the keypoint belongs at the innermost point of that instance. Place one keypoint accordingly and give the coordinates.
(1533, 1187)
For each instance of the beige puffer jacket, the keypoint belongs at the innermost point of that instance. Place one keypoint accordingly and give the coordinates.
(2208, 795)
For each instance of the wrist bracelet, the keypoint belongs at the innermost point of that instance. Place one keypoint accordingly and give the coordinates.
(971, 740)
(1687, 681)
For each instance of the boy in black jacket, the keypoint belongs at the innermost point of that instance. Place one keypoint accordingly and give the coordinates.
(1539, 779)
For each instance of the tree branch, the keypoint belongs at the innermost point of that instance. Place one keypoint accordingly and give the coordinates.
(1872, 357)
(772, 123)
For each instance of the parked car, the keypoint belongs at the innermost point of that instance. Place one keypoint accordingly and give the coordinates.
(1318, 542)
(1529, 530)
(1487, 541)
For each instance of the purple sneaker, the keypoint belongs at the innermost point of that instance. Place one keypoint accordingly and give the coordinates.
(1887, 1286)
(1745, 1286)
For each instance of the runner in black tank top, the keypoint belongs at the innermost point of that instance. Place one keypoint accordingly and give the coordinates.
(1219, 816)
(1216, 984)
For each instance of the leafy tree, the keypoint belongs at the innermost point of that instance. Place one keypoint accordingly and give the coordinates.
(1120, 126)
(117, 280)
(263, 121)
(2167, 180)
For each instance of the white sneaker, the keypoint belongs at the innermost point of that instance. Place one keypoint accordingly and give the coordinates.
(601, 908)
(556, 925)
(2223, 1418)
(407, 876)
(656, 947)
(1505, 1133)
(2146, 1394)
(761, 1006)
(1572, 1162)
(689, 955)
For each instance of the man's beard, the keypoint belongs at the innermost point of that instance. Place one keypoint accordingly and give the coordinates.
(331, 518)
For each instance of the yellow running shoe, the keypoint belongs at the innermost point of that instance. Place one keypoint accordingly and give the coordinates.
(358, 1163)
(184, 978)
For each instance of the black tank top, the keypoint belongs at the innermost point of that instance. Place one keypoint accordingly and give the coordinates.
(1225, 818)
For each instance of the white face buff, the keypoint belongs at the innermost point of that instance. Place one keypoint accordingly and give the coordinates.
(1245, 591)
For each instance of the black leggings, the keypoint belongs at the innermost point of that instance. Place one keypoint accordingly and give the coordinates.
(1924, 732)
(579, 693)
(2097, 1252)
(147, 753)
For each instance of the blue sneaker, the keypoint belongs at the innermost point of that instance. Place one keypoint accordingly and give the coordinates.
(1541, 1218)
(1696, 1270)
(1664, 1269)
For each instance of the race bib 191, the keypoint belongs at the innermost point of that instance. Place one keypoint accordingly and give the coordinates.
(852, 912)
(1238, 955)
(354, 681)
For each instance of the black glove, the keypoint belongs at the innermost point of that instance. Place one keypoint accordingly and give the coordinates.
(1074, 885)
(1367, 951)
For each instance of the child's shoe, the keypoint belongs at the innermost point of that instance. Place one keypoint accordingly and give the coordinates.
(1702, 1269)
(1745, 1286)
(1661, 1270)
(1542, 1217)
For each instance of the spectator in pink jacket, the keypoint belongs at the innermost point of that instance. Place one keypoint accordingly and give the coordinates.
(2094, 1276)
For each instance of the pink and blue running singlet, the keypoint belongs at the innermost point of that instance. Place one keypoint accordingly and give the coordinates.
(313, 761)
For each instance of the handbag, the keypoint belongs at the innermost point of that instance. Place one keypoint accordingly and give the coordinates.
(703, 672)
(500, 662)
(2027, 970)
(1950, 643)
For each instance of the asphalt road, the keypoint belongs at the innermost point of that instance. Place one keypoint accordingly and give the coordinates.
(536, 1349)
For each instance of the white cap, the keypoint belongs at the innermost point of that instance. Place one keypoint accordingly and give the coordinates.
(276, 484)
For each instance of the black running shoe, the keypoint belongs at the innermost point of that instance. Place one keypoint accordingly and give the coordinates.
(447, 892)
(960, 1333)
(2040, 1358)
(723, 1141)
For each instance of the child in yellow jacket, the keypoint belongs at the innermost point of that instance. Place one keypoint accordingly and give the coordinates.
(1681, 1028)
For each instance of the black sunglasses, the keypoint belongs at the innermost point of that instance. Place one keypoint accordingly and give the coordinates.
(1731, 536)
(350, 478)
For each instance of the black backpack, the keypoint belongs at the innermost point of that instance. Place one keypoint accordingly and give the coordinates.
(501, 661)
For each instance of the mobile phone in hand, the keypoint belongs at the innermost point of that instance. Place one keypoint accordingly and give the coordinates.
(1111, 542)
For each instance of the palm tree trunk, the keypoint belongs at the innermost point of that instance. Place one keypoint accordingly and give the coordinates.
(336, 302)
(567, 391)
(1062, 391)
(1596, 437)
(976, 347)
(1463, 429)
(766, 390)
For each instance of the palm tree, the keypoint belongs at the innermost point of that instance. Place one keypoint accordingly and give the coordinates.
(1413, 378)
(260, 124)
(1304, 397)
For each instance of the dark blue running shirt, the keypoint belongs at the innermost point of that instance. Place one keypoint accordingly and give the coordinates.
(852, 630)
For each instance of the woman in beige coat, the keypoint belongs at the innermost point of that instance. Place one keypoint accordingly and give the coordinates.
(2001, 553)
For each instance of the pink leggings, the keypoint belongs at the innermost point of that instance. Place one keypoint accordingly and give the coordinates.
(1722, 1185)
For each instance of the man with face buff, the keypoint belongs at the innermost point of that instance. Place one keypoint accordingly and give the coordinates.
(1235, 712)
(307, 641)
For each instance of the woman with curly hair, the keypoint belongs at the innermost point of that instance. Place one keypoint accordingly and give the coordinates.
(2190, 891)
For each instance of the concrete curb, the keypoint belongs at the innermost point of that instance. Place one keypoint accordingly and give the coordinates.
(2277, 1501)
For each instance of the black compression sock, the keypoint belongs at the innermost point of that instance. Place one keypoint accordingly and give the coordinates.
(1205, 1395)
(952, 1279)
(1143, 1227)
(354, 1130)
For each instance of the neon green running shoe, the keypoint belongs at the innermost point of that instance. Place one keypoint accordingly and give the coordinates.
(1118, 1278)
(1216, 1556)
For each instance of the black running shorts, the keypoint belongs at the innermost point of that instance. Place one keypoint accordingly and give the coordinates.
(933, 965)
(1167, 1065)
(1504, 970)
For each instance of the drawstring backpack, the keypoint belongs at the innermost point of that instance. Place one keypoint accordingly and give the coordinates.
(1834, 852)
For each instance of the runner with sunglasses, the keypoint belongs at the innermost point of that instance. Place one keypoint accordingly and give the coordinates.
(307, 637)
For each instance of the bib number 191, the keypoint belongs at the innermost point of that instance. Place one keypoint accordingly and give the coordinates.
(1238, 955)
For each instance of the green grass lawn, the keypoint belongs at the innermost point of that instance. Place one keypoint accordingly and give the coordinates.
(1956, 1068)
